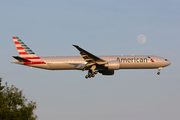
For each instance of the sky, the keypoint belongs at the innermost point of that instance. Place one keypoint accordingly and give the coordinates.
(102, 27)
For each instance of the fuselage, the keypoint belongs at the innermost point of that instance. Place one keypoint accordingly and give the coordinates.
(78, 63)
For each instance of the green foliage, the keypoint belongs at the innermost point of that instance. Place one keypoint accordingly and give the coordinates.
(14, 105)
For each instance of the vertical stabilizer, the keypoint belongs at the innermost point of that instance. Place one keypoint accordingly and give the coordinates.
(24, 51)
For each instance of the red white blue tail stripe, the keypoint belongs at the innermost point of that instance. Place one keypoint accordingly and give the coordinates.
(26, 52)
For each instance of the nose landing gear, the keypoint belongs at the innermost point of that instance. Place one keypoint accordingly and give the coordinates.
(159, 70)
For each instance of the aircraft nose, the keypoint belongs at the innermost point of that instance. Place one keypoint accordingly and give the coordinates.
(168, 63)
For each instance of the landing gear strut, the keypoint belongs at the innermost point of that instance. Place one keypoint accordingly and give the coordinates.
(159, 70)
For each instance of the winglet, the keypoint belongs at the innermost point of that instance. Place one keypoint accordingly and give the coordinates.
(75, 45)
(80, 49)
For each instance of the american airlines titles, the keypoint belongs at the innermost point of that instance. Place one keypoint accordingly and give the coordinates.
(133, 60)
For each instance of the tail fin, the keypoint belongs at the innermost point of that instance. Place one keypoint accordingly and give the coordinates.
(24, 51)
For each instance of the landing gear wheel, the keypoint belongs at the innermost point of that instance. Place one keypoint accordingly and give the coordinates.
(89, 76)
(158, 73)
(86, 76)
(91, 73)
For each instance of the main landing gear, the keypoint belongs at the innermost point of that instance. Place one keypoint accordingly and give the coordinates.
(91, 74)
(159, 70)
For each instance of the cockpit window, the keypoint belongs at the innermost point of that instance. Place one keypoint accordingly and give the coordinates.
(166, 60)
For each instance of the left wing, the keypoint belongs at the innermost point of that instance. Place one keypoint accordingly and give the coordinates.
(90, 58)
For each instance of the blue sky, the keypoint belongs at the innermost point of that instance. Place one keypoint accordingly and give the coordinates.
(102, 27)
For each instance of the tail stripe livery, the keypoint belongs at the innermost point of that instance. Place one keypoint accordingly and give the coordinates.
(23, 50)
(35, 62)
(26, 53)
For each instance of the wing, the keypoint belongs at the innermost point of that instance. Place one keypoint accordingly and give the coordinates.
(90, 58)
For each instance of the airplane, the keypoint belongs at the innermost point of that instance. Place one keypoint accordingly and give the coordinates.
(106, 65)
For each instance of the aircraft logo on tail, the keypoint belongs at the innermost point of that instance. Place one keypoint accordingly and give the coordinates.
(24, 50)
(26, 54)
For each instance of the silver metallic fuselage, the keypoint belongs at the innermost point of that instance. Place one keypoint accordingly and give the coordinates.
(78, 63)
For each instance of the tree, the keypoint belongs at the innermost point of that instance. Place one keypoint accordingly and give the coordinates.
(14, 105)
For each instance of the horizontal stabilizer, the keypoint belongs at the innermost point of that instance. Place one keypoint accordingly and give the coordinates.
(20, 59)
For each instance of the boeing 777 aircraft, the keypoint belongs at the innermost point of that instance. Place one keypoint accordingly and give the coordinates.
(93, 64)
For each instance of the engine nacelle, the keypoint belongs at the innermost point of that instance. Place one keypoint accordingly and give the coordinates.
(113, 65)
(106, 72)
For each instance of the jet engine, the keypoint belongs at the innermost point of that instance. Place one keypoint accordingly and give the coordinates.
(113, 65)
(106, 72)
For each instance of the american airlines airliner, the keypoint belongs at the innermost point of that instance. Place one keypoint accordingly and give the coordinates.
(87, 61)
